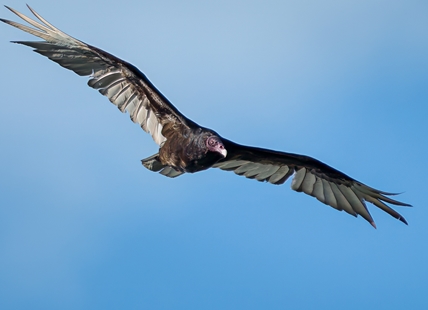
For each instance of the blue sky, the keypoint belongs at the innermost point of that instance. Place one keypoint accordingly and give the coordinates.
(84, 226)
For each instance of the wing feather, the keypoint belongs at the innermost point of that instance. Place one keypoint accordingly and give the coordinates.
(329, 197)
(342, 202)
(283, 173)
(267, 172)
(122, 83)
(231, 165)
(318, 191)
(298, 179)
(308, 183)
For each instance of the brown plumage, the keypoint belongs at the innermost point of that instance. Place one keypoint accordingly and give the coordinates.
(184, 146)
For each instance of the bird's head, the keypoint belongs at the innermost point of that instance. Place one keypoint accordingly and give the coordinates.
(214, 144)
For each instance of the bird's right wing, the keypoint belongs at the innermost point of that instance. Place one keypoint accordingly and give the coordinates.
(311, 176)
(122, 83)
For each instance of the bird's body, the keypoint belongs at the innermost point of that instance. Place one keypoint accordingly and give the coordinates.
(187, 150)
(186, 147)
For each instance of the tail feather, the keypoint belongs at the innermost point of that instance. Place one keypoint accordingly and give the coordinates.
(152, 163)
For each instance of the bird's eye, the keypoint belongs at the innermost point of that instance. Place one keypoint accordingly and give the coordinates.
(211, 142)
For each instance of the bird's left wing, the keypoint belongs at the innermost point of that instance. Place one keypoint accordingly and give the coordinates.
(311, 176)
(122, 83)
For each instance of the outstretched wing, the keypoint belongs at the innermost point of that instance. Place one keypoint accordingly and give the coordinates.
(311, 176)
(124, 85)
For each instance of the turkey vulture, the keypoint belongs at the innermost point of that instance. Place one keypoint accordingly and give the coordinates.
(184, 146)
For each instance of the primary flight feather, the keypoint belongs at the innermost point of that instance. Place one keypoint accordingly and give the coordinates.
(184, 146)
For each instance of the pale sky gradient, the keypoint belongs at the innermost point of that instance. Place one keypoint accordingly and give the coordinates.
(83, 225)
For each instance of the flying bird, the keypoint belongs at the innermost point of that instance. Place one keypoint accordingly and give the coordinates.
(184, 146)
